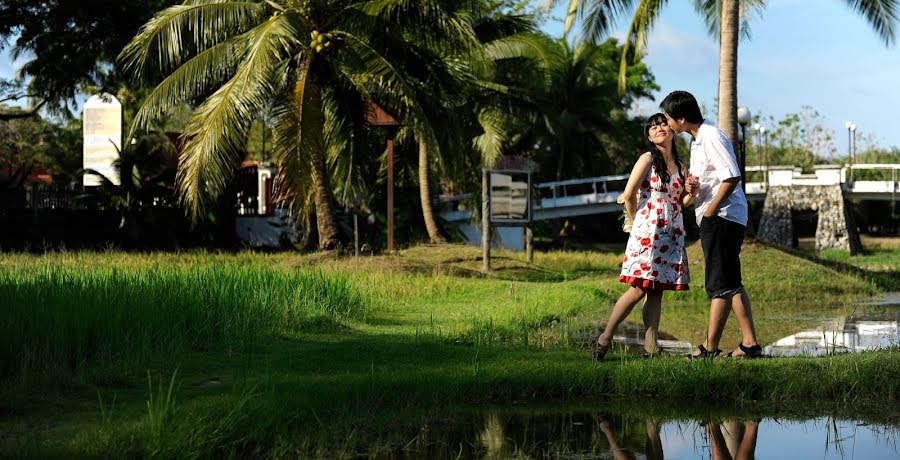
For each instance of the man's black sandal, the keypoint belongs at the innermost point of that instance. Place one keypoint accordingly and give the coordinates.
(704, 353)
(752, 352)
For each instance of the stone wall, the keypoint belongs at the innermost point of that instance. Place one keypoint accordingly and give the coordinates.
(835, 229)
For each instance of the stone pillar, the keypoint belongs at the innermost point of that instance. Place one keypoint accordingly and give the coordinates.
(775, 225)
(835, 229)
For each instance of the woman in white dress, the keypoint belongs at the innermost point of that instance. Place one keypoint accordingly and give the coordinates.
(655, 259)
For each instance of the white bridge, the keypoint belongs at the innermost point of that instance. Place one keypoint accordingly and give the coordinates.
(597, 195)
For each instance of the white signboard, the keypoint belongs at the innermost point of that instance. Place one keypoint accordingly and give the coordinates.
(102, 120)
(509, 198)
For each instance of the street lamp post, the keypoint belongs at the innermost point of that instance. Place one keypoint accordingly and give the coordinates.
(760, 156)
(850, 128)
(743, 117)
(852, 148)
(766, 154)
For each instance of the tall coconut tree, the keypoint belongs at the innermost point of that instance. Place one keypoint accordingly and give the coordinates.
(318, 60)
(723, 19)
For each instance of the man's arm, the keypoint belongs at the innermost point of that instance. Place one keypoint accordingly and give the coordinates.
(725, 190)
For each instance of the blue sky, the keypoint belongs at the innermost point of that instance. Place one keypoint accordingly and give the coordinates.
(817, 53)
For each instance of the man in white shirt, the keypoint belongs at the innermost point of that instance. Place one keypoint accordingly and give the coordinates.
(721, 209)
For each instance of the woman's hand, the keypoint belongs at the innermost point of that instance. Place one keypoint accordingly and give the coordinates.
(692, 185)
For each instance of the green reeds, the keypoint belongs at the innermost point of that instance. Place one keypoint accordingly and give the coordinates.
(58, 319)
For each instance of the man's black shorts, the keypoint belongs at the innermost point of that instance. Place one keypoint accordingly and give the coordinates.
(721, 240)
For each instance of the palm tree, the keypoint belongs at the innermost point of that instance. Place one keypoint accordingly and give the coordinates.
(144, 177)
(460, 93)
(723, 19)
(571, 107)
(319, 62)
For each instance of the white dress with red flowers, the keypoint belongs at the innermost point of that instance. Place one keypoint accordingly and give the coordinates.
(655, 257)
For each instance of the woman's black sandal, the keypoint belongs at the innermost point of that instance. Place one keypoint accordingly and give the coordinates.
(704, 353)
(598, 351)
(752, 352)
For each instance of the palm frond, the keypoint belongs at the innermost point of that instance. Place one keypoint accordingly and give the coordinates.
(178, 32)
(297, 134)
(537, 48)
(216, 133)
(368, 70)
(711, 12)
(345, 141)
(195, 78)
(490, 143)
(636, 38)
(447, 28)
(600, 16)
(882, 15)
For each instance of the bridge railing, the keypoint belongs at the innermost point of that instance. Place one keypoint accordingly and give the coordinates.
(452, 207)
(872, 178)
(578, 187)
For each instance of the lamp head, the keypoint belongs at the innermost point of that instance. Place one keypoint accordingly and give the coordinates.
(743, 115)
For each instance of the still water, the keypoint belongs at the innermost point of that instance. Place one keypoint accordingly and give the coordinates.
(810, 331)
(869, 326)
(598, 436)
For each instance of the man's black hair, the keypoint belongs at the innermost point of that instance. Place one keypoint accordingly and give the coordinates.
(682, 104)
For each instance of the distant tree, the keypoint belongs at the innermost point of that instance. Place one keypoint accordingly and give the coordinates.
(70, 46)
(28, 143)
(11, 91)
(578, 125)
(797, 139)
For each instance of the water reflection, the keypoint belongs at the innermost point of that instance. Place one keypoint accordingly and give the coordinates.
(864, 332)
(497, 435)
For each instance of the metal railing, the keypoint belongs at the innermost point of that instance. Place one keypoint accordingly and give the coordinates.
(593, 185)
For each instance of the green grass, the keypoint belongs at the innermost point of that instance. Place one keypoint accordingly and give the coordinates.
(876, 259)
(217, 355)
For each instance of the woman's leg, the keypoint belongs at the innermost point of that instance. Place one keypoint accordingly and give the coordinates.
(620, 311)
(651, 313)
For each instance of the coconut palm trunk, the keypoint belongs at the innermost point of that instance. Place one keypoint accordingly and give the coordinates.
(434, 232)
(326, 222)
(728, 54)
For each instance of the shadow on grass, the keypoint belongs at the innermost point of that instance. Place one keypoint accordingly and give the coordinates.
(888, 281)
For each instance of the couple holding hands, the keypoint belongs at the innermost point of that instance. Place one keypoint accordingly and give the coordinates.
(655, 261)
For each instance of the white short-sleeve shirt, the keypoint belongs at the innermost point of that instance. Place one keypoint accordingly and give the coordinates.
(713, 161)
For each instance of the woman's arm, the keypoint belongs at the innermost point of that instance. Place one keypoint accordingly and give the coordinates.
(687, 199)
(638, 174)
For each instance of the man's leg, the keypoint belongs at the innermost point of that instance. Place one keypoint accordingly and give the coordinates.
(718, 315)
(747, 449)
(714, 251)
(740, 305)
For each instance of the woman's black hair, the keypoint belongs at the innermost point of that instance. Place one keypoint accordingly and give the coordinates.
(659, 163)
